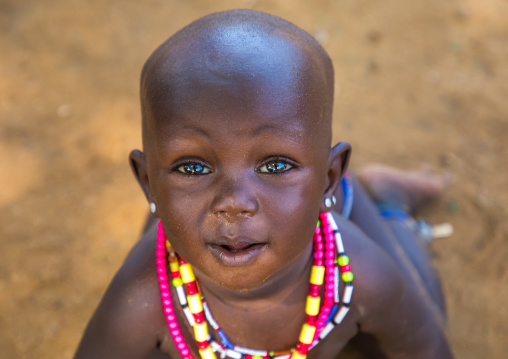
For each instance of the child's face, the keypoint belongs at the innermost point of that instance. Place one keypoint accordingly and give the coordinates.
(238, 167)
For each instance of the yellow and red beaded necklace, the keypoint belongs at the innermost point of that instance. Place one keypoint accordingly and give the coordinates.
(329, 256)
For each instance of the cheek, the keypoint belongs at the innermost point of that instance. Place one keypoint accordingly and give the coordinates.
(300, 196)
(181, 215)
(293, 212)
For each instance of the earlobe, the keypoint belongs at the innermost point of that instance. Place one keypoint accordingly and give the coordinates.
(338, 162)
(138, 165)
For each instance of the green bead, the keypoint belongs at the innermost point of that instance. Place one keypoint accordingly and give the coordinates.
(347, 277)
(177, 282)
(343, 260)
(318, 224)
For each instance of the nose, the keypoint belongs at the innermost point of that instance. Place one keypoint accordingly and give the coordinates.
(235, 199)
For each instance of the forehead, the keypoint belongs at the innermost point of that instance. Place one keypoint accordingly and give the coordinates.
(236, 75)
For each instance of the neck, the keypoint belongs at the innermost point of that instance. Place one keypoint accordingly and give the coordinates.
(281, 296)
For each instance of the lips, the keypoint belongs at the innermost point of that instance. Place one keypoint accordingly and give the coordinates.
(238, 247)
(236, 253)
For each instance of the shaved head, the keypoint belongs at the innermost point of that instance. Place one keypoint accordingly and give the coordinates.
(241, 55)
(237, 110)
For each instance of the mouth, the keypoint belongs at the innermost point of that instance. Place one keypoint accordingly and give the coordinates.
(237, 254)
(239, 247)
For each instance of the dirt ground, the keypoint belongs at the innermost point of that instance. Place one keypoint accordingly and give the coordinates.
(417, 82)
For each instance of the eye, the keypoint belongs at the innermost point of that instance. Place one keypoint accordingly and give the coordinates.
(275, 167)
(193, 168)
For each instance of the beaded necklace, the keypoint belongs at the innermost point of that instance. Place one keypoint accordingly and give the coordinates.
(320, 320)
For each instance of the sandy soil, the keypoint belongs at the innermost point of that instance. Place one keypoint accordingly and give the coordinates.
(417, 82)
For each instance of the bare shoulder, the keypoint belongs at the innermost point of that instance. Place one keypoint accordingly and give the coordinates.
(377, 280)
(128, 321)
(138, 288)
(387, 305)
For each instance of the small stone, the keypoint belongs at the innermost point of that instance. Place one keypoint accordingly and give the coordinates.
(373, 66)
(455, 45)
(322, 36)
(64, 110)
(442, 230)
(374, 36)
(462, 13)
(450, 159)
(452, 207)
(434, 76)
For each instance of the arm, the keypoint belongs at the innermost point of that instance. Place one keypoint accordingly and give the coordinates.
(128, 321)
(394, 309)
(405, 327)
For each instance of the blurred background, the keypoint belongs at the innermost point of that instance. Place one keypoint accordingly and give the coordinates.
(416, 82)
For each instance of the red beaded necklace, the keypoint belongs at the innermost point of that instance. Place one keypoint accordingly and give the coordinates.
(320, 319)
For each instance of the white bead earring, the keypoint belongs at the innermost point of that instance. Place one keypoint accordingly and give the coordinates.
(328, 202)
(153, 207)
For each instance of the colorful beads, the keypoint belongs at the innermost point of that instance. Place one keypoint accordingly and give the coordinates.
(297, 355)
(167, 302)
(195, 304)
(321, 319)
(187, 273)
(345, 268)
(317, 274)
(312, 306)
(207, 353)
(348, 293)
(173, 266)
(343, 260)
(201, 332)
(347, 277)
(307, 334)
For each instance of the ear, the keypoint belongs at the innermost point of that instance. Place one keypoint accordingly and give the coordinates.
(338, 162)
(137, 161)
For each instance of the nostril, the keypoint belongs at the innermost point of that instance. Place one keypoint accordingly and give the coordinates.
(234, 204)
(238, 215)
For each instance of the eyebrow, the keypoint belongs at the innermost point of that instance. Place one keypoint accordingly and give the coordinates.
(261, 129)
(270, 128)
(192, 128)
(255, 132)
(289, 133)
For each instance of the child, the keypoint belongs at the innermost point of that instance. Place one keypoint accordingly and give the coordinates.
(237, 165)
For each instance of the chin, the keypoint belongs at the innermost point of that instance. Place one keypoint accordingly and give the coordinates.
(241, 281)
